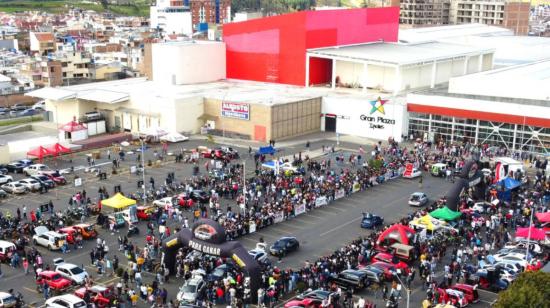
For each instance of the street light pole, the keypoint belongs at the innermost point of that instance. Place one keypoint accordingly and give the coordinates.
(143, 168)
(529, 232)
(404, 287)
(244, 183)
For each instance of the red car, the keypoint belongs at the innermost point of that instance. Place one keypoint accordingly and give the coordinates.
(71, 233)
(99, 295)
(470, 292)
(306, 303)
(386, 268)
(55, 176)
(455, 297)
(185, 201)
(389, 258)
(56, 282)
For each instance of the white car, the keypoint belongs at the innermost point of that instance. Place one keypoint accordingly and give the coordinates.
(259, 255)
(35, 169)
(65, 301)
(72, 272)
(14, 188)
(512, 258)
(49, 239)
(7, 300)
(5, 178)
(513, 267)
(30, 184)
(39, 105)
(414, 174)
(164, 202)
(418, 199)
(190, 290)
(480, 206)
(534, 247)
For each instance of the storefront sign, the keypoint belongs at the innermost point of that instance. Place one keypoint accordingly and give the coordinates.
(340, 193)
(279, 217)
(377, 122)
(321, 201)
(236, 110)
(299, 209)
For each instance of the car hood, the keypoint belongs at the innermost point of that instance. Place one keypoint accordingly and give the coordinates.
(40, 230)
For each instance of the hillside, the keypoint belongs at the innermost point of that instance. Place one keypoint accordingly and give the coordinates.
(137, 8)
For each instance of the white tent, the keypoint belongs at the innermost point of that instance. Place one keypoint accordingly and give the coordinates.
(174, 137)
(154, 132)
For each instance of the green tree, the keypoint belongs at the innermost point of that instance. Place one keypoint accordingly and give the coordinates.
(530, 289)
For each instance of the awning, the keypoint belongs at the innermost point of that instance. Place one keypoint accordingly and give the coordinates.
(55, 94)
(103, 96)
(208, 117)
(138, 112)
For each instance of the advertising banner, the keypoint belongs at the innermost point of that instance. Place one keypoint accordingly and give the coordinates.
(236, 110)
(252, 227)
(279, 217)
(321, 201)
(408, 170)
(299, 209)
(356, 187)
(340, 193)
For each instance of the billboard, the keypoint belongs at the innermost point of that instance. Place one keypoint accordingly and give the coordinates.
(239, 111)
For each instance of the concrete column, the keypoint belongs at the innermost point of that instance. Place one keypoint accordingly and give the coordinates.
(480, 63)
(453, 130)
(434, 72)
(307, 70)
(514, 139)
(466, 65)
(365, 76)
(333, 81)
(397, 82)
(477, 132)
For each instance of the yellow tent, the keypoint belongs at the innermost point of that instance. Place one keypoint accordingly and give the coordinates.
(118, 202)
(427, 222)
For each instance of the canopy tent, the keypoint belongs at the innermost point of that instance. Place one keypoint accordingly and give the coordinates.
(58, 149)
(445, 213)
(154, 132)
(174, 137)
(427, 222)
(40, 152)
(118, 202)
(531, 233)
(509, 183)
(398, 233)
(72, 127)
(266, 150)
(543, 217)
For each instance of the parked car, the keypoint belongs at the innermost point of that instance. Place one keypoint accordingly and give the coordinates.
(49, 239)
(54, 280)
(470, 292)
(319, 294)
(371, 221)
(374, 274)
(30, 184)
(191, 289)
(27, 112)
(55, 176)
(3, 169)
(65, 301)
(164, 202)
(26, 162)
(200, 196)
(415, 172)
(284, 245)
(3, 194)
(99, 295)
(438, 169)
(14, 188)
(7, 300)
(350, 279)
(259, 255)
(18, 107)
(220, 272)
(44, 181)
(306, 302)
(73, 272)
(5, 178)
(418, 199)
(41, 105)
(35, 169)
(6, 250)
(70, 233)
(88, 231)
(15, 167)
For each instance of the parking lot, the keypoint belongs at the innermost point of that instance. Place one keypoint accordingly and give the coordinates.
(319, 231)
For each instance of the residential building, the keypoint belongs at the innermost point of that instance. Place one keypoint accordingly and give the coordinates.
(516, 17)
(171, 16)
(52, 74)
(512, 15)
(418, 13)
(209, 11)
(42, 43)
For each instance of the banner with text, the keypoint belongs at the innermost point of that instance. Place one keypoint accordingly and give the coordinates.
(340, 193)
(299, 209)
(279, 217)
(321, 201)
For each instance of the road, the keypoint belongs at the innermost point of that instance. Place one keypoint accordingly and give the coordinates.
(320, 231)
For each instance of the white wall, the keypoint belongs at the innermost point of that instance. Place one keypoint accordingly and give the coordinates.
(352, 109)
(350, 73)
(171, 22)
(188, 63)
(189, 109)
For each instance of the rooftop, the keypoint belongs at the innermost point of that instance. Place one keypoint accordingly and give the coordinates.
(44, 36)
(418, 35)
(398, 54)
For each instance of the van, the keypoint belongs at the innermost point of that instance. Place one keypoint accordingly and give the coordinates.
(510, 165)
(6, 250)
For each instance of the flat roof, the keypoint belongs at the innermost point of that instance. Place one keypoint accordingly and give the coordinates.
(426, 34)
(397, 53)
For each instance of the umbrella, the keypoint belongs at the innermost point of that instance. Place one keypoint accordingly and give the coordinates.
(536, 234)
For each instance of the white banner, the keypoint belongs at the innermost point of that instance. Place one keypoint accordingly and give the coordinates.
(299, 209)
(77, 182)
(321, 201)
(340, 193)
(219, 164)
(279, 217)
(252, 227)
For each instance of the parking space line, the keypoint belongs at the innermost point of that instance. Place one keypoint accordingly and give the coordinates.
(341, 226)
(301, 219)
(31, 290)
(331, 209)
(308, 214)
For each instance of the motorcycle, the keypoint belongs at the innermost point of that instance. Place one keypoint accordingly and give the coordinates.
(391, 302)
(132, 230)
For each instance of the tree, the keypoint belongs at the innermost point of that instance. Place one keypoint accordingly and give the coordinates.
(530, 289)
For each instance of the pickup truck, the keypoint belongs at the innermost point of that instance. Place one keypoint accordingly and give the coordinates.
(350, 279)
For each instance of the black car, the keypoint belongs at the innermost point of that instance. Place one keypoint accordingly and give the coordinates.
(15, 167)
(350, 279)
(3, 169)
(200, 196)
(374, 274)
(283, 246)
(315, 294)
(44, 181)
(370, 221)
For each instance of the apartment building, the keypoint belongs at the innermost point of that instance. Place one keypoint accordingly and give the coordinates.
(210, 11)
(42, 43)
(64, 68)
(512, 15)
(171, 16)
(424, 12)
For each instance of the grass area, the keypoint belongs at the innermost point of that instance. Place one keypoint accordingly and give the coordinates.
(137, 8)
(23, 120)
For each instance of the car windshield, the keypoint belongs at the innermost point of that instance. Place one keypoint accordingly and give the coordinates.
(190, 288)
(415, 197)
(56, 277)
(79, 304)
(76, 270)
(279, 244)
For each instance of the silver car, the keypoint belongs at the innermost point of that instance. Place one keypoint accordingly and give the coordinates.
(30, 184)
(14, 188)
(418, 199)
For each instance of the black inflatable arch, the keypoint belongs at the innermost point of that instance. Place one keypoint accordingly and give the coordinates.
(207, 236)
(470, 176)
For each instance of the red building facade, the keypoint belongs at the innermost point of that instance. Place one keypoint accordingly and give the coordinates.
(273, 49)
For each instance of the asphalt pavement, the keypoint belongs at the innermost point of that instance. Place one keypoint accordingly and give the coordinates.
(319, 231)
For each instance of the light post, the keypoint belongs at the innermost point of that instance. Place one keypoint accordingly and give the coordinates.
(529, 233)
(244, 183)
(395, 274)
(143, 168)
